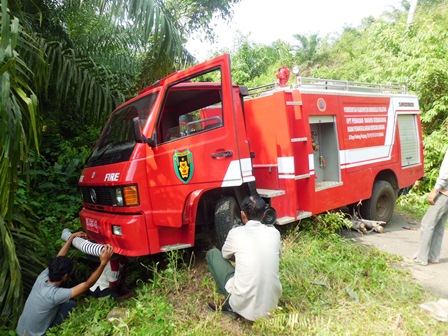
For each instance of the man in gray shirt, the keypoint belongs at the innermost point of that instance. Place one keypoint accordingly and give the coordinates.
(48, 303)
(433, 223)
(253, 286)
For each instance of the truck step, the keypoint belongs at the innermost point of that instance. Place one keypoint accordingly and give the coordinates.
(304, 214)
(288, 219)
(269, 193)
(174, 247)
(285, 220)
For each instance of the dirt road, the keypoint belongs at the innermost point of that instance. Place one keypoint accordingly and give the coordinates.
(400, 237)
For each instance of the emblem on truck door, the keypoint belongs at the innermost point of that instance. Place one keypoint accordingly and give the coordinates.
(183, 165)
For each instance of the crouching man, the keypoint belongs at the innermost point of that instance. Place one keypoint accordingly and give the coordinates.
(111, 282)
(253, 286)
(49, 303)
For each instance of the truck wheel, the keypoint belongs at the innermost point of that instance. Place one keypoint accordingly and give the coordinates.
(227, 214)
(380, 206)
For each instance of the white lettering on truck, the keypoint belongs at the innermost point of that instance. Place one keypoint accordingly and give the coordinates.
(112, 177)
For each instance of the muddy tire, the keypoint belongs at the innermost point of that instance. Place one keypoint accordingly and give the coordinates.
(380, 206)
(227, 215)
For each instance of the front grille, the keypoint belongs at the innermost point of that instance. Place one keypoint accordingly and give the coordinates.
(104, 195)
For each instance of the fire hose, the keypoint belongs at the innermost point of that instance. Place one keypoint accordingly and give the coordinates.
(82, 244)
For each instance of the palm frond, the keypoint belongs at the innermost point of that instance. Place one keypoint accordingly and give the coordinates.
(19, 266)
(18, 110)
(10, 276)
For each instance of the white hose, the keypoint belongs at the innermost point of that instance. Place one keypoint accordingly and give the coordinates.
(82, 244)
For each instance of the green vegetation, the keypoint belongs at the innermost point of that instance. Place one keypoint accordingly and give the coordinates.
(413, 204)
(331, 286)
(65, 65)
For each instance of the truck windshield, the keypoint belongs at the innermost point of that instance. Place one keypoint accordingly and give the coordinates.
(117, 140)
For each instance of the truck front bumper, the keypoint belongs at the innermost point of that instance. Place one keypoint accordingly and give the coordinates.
(126, 233)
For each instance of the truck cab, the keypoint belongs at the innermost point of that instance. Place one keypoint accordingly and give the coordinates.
(164, 160)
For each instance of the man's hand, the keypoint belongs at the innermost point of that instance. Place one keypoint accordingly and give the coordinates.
(64, 249)
(106, 254)
(79, 234)
(432, 196)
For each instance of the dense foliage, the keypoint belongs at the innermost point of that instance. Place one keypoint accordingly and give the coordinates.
(331, 286)
(389, 50)
(64, 65)
(384, 50)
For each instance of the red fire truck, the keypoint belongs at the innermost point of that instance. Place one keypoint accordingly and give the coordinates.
(173, 164)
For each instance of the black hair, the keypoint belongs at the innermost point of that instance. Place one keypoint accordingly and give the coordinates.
(59, 267)
(253, 207)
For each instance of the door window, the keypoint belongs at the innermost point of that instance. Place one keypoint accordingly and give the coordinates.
(191, 107)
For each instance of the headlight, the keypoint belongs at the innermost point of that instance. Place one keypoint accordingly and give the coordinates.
(119, 196)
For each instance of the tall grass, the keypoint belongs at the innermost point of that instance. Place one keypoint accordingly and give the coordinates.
(334, 286)
(331, 286)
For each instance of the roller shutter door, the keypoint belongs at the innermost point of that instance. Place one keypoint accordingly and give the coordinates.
(407, 125)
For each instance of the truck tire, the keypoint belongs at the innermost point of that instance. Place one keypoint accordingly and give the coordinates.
(380, 207)
(227, 215)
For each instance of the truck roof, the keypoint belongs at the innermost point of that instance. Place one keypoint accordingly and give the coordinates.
(183, 85)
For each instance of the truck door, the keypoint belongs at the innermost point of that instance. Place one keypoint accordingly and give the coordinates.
(197, 145)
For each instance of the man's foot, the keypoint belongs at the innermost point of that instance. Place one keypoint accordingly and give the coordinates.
(434, 261)
(419, 262)
(225, 308)
(415, 261)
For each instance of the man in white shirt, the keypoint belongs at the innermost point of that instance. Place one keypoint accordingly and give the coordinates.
(109, 281)
(253, 286)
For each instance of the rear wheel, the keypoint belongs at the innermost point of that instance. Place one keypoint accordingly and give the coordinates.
(227, 215)
(380, 206)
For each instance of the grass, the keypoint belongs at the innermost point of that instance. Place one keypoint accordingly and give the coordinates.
(331, 286)
(412, 204)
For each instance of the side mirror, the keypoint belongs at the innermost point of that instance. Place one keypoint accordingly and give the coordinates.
(138, 134)
(244, 91)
